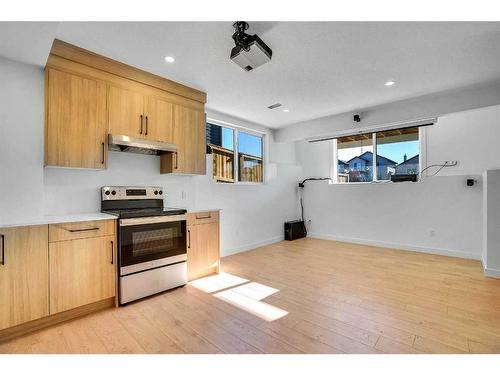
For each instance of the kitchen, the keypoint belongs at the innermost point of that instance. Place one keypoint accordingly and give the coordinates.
(208, 197)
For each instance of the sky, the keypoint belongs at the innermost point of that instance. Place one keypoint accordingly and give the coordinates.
(393, 151)
(247, 143)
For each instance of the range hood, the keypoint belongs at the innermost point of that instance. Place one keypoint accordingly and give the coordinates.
(139, 145)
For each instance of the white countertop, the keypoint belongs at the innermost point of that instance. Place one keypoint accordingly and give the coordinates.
(204, 209)
(54, 219)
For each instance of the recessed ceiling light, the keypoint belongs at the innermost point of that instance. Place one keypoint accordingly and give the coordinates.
(286, 110)
(390, 83)
(169, 59)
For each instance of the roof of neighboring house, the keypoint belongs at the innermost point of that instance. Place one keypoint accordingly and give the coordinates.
(413, 160)
(342, 162)
(368, 155)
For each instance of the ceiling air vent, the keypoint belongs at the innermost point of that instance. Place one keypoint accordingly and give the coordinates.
(276, 105)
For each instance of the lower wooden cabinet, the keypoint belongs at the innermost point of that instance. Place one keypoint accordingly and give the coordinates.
(203, 255)
(82, 271)
(24, 275)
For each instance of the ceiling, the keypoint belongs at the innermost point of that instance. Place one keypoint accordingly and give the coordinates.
(317, 69)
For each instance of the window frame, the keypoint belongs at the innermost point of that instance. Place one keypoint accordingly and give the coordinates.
(422, 139)
(236, 129)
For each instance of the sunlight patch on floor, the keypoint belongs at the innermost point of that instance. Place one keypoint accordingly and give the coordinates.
(211, 284)
(241, 293)
(261, 309)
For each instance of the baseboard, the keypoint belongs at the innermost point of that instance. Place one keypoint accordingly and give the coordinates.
(491, 272)
(47, 321)
(251, 246)
(398, 246)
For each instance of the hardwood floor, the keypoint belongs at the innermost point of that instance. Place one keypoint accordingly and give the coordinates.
(337, 297)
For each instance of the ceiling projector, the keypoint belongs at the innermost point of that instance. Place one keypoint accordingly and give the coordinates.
(250, 51)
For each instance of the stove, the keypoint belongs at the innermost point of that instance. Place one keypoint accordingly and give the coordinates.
(152, 250)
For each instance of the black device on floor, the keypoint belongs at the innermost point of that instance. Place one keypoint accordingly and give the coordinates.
(294, 229)
(404, 177)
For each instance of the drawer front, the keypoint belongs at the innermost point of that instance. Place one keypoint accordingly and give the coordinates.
(84, 229)
(203, 217)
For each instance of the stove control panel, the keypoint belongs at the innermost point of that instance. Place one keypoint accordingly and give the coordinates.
(131, 192)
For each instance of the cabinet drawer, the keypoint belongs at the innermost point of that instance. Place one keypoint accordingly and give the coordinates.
(84, 229)
(205, 217)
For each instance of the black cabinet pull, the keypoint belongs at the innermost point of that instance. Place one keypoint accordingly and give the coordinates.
(176, 158)
(3, 250)
(146, 125)
(103, 152)
(81, 230)
(189, 239)
(141, 125)
(112, 252)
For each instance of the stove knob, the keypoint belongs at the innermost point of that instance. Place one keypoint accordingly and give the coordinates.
(156, 192)
(107, 192)
(113, 192)
(160, 192)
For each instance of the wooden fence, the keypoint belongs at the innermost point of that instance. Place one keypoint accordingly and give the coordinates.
(250, 167)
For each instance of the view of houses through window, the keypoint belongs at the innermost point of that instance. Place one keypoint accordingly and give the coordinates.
(396, 152)
(248, 166)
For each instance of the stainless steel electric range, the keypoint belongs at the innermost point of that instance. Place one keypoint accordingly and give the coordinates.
(152, 250)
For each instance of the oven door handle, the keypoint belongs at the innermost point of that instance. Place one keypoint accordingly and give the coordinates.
(189, 239)
(152, 220)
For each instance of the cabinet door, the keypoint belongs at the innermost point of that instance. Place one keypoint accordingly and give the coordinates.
(190, 138)
(203, 250)
(81, 272)
(75, 121)
(24, 277)
(159, 119)
(126, 113)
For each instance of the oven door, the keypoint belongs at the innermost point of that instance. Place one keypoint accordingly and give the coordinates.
(149, 241)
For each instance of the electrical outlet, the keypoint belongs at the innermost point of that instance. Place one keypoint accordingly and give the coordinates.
(432, 232)
(452, 162)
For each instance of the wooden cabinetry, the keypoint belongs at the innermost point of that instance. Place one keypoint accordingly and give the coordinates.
(190, 138)
(125, 112)
(139, 115)
(203, 253)
(89, 96)
(75, 134)
(24, 275)
(82, 271)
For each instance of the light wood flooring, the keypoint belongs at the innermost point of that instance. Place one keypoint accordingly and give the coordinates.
(340, 298)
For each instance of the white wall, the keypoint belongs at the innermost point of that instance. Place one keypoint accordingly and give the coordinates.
(426, 106)
(491, 222)
(251, 214)
(440, 214)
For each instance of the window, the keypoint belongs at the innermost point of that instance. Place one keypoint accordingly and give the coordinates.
(224, 142)
(355, 158)
(376, 156)
(249, 157)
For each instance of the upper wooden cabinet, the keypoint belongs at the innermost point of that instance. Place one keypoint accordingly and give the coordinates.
(138, 115)
(24, 275)
(125, 112)
(89, 96)
(75, 134)
(190, 138)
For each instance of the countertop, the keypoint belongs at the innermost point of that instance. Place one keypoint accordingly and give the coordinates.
(54, 219)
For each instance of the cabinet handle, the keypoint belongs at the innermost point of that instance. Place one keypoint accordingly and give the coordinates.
(141, 125)
(103, 152)
(146, 125)
(3, 250)
(112, 252)
(209, 216)
(189, 239)
(81, 230)
(176, 163)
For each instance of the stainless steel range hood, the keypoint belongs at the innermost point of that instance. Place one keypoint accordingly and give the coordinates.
(138, 145)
